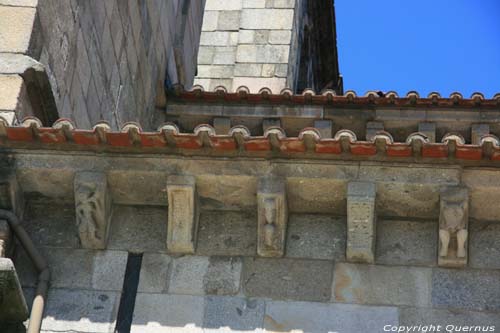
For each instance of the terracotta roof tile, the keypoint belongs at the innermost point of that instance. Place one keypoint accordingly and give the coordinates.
(239, 138)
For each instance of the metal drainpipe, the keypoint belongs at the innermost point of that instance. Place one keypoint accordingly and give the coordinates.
(41, 266)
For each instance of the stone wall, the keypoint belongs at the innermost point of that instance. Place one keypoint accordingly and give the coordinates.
(225, 287)
(246, 43)
(224, 283)
(105, 60)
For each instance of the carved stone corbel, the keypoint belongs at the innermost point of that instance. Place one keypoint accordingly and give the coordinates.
(361, 222)
(183, 214)
(272, 217)
(453, 226)
(93, 206)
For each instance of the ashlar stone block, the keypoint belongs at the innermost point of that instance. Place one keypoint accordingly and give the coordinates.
(93, 206)
(183, 214)
(361, 221)
(11, 194)
(453, 226)
(272, 216)
(12, 303)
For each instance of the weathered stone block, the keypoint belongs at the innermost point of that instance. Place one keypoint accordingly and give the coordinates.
(451, 319)
(252, 19)
(215, 38)
(247, 70)
(80, 311)
(210, 18)
(224, 56)
(93, 206)
(109, 270)
(12, 303)
(402, 242)
(308, 280)
(280, 37)
(478, 131)
(154, 273)
(372, 127)
(148, 235)
(453, 226)
(212, 71)
(361, 222)
(429, 130)
(371, 284)
(484, 189)
(254, 3)
(16, 28)
(11, 194)
(316, 237)
(484, 248)
(229, 20)
(321, 317)
(206, 55)
(266, 54)
(237, 314)
(272, 216)
(246, 36)
(227, 233)
(324, 127)
(6, 239)
(185, 314)
(47, 223)
(223, 5)
(408, 192)
(205, 275)
(183, 214)
(466, 289)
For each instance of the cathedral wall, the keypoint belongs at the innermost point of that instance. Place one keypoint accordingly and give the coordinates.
(105, 60)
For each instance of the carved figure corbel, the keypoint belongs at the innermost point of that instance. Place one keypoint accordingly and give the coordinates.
(453, 226)
(272, 217)
(93, 209)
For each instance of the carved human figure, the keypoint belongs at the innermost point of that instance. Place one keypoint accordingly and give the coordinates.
(269, 206)
(88, 206)
(453, 222)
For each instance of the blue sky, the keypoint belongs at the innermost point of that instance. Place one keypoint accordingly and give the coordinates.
(422, 45)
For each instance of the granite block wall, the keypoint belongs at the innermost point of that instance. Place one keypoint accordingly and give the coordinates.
(225, 287)
(246, 42)
(105, 60)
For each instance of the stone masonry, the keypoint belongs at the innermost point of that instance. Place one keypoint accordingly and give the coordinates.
(246, 43)
(101, 60)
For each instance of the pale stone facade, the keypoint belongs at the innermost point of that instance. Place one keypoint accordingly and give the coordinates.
(258, 44)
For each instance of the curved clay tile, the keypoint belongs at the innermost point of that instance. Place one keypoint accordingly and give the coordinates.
(456, 97)
(221, 90)
(384, 136)
(417, 136)
(459, 140)
(240, 129)
(131, 125)
(169, 127)
(243, 91)
(63, 122)
(103, 125)
(346, 133)
(204, 128)
(197, 88)
(275, 130)
(265, 92)
(490, 138)
(31, 122)
(286, 92)
(310, 131)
